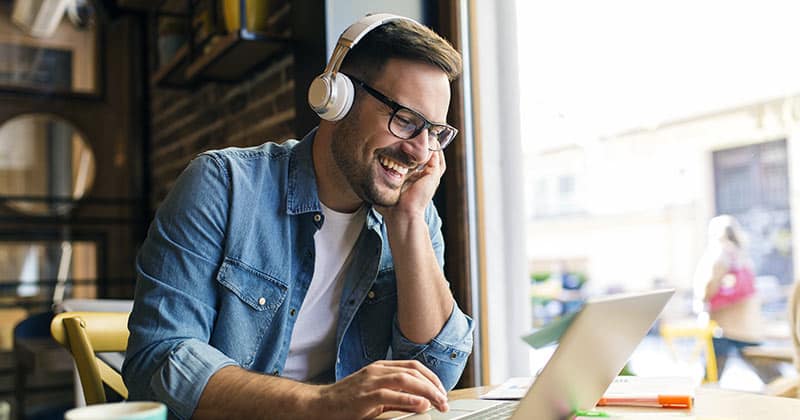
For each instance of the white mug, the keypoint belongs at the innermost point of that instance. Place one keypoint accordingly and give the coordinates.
(134, 410)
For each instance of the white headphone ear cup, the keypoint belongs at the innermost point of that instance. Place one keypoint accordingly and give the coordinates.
(342, 98)
(319, 93)
(331, 96)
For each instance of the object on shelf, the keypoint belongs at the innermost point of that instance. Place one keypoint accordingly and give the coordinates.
(173, 72)
(257, 13)
(171, 36)
(232, 56)
(203, 27)
(211, 54)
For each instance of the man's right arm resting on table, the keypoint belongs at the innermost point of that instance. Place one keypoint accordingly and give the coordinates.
(170, 359)
(233, 388)
(233, 392)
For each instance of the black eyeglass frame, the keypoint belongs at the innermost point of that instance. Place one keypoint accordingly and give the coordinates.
(396, 107)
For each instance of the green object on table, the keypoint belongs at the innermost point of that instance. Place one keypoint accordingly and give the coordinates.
(550, 333)
(591, 413)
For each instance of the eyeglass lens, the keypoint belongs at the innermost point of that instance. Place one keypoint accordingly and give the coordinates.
(406, 124)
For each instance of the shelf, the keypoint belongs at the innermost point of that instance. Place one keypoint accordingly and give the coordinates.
(173, 74)
(232, 56)
(178, 7)
(170, 7)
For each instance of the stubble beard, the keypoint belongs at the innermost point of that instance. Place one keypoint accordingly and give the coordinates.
(359, 175)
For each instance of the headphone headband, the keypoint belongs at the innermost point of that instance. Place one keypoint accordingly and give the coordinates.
(331, 94)
(354, 33)
(357, 30)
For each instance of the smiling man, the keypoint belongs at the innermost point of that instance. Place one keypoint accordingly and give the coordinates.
(304, 279)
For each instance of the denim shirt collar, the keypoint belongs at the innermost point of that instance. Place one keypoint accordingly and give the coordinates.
(302, 195)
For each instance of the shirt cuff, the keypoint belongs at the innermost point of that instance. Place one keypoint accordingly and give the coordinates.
(184, 375)
(451, 347)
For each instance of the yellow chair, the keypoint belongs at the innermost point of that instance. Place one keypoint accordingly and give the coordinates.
(83, 334)
(702, 332)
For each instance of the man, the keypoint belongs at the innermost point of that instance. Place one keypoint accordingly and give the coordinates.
(276, 280)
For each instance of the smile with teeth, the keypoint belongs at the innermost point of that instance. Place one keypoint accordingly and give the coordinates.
(393, 165)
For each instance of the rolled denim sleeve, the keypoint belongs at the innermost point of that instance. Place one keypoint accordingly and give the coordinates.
(447, 353)
(169, 358)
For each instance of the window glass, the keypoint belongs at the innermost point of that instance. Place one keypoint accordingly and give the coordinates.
(48, 46)
(45, 162)
(643, 121)
(37, 271)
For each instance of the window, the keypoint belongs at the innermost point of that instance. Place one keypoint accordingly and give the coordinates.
(635, 134)
(49, 47)
(34, 273)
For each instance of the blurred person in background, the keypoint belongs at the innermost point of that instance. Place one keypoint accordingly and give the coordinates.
(724, 289)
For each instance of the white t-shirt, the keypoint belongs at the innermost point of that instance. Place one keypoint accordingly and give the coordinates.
(312, 350)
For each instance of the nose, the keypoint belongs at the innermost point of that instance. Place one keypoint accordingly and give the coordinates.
(417, 147)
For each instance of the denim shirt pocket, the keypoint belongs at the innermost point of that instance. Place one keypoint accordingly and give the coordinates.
(248, 302)
(376, 316)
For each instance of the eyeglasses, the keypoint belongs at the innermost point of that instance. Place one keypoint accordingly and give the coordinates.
(406, 123)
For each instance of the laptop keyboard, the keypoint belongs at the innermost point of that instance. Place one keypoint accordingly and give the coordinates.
(500, 411)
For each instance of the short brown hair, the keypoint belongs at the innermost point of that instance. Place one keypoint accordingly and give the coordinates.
(400, 39)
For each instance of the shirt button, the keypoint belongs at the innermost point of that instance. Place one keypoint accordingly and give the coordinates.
(262, 301)
(317, 217)
(371, 294)
(292, 312)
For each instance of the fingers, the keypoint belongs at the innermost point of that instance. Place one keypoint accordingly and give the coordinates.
(382, 386)
(418, 367)
(408, 377)
(436, 163)
(401, 401)
(405, 380)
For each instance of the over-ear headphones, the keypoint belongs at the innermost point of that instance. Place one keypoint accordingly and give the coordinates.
(331, 93)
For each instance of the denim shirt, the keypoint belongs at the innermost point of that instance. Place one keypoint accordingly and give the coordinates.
(225, 268)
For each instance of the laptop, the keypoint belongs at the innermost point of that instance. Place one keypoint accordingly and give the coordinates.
(590, 354)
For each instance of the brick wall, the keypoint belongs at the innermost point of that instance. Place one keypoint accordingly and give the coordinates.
(257, 109)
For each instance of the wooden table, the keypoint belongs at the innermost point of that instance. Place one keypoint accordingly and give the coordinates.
(769, 353)
(713, 403)
(743, 405)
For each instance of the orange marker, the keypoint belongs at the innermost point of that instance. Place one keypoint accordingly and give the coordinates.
(664, 401)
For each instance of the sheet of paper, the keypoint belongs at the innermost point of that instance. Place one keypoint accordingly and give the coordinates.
(515, 388)
(624, 386)
(512, 389)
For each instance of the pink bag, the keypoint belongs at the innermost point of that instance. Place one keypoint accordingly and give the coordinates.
(743, 287)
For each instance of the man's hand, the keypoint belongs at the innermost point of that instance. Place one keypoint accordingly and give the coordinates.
(419, 188)
(404, 385)
(420, 281)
